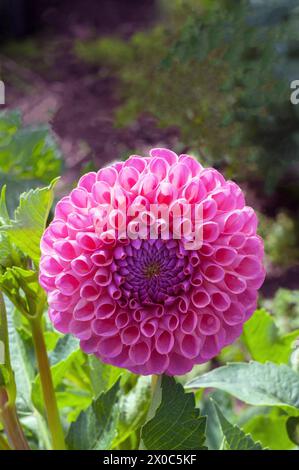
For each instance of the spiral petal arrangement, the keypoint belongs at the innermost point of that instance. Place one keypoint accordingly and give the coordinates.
(131, 285)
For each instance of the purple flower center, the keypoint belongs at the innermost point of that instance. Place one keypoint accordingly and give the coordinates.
(154, 270)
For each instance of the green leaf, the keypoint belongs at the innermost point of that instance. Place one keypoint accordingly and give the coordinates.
(235, 438)
(177, 424)
(4, 217)
(254, 383)
(103, 376)
(30, 218)
(214, 436)
(264, 341)
(24, 373)
(28, 156)
(133, 409)
(96, 427)
(23, 290)
(270, 430)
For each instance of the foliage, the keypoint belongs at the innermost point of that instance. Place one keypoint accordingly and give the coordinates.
(28, 156)
(281, 237)
(285, 306)
(220, 73)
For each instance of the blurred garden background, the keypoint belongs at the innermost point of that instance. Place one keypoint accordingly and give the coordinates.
(89, 82)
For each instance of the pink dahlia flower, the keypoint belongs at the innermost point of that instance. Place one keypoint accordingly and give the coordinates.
(153, 292)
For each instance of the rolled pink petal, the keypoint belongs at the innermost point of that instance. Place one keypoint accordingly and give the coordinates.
(88, 241)
(137, 162)
(105, 307)
(103, 276)
(82, 265)
(237, 240)
(87, 181)
(102, 257)
(67, 283)
(58, 229)
(189, 322)
(190, 346)
(104, 328)
(170, 322)
(212, 272)
(90, 345)
(51, 265)
(84, 310)
(128, 177)
(101, 192)
(234, 314)
(196, 279)
(194, 166)
(140, 353)
(164, 341)
(122, 319)
(178, 364)
(166, 193)
(159, 166)
(67, 249)
(248, 266)
(225, 255)
(149, 327)
(209, 324)
(61, 321)
(110, 347)
(79, 198)
(169, 156)
(81, 329)
(108, 237)
(220, 301)
(235, 284)
(200, 298)
(108, 175)
(90, 291)
(63, 208)
(152, 289)
(114, 292)
(183, 303)
(60, 302)
(157, 363)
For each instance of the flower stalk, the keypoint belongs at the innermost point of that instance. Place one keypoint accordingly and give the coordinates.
(51, 407)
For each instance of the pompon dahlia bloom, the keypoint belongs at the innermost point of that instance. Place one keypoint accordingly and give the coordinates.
(149, 292)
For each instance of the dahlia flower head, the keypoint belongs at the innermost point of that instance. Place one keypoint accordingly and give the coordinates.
(148, 292)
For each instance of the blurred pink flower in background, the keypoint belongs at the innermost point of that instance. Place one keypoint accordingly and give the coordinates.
(130, 285)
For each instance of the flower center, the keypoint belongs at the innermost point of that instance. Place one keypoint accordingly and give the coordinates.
(153, 271)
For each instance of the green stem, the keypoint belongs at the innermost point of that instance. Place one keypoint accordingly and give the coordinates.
(47, 384)
(8, 413)
(155, 402)
(11, 423)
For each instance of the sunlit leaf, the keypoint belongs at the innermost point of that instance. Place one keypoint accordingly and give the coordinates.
(30, 218)
(264, 341)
